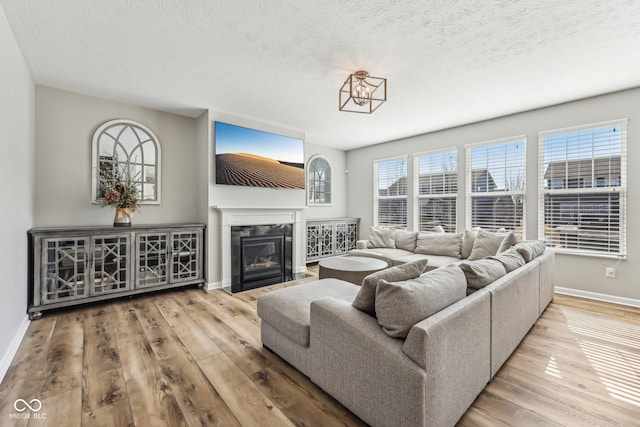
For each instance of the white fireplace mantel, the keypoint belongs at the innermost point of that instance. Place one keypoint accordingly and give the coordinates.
(239, 216)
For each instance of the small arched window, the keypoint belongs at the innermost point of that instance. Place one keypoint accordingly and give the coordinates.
(124, 149)
(319, 181)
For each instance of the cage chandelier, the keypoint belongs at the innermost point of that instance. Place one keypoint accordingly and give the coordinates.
(362, 93)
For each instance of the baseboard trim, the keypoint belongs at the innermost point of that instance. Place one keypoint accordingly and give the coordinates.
(10, 353)
(211, 286)
(598, 297)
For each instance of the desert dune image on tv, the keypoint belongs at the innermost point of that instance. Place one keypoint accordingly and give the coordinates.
(255, 158)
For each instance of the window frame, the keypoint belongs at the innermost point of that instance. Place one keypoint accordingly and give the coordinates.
(416, 185)
(376, 193)
(469, 193)
(621, 189)
(327, 183)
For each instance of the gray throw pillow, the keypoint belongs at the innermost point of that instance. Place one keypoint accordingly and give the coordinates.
(482, 272)
(530, 249)
(467, 243)
(400, 305)
(510, 259)
(406, 240)
(486, 244)
(381, 237)
(366, 298)
(511, 239)
(444, 244)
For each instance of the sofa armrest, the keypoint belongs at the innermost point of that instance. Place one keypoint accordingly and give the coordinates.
(454, 348)
(361, 244)
(358, 364)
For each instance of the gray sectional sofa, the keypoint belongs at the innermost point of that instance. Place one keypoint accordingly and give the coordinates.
(403, 351)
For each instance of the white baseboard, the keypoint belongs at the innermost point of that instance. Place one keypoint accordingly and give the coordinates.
(598, 297)
(10, 353)
(211, 286)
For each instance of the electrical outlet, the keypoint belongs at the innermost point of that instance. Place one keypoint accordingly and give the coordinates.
(610, 272)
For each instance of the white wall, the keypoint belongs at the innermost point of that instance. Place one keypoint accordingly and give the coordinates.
(576, 272)
(16, 187)
(65, 124)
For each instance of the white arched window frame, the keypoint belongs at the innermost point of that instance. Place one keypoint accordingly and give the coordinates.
(125, 145)
(319, 181)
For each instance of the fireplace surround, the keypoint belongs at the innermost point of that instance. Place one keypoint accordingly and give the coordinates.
(236, 223)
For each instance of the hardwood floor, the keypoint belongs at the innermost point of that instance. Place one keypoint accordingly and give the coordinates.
(191, 358)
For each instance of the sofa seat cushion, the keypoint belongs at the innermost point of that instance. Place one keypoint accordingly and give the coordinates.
(385, 254)
(400, 305)
(435, 261)
(288, 310)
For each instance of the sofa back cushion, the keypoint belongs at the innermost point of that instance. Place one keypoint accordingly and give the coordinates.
(530, 249)
(510, 259)
(467, 243)
(445, 244)
(381, 237)
(482, 272)
(406, 240)
(400, 305)
(365, 300)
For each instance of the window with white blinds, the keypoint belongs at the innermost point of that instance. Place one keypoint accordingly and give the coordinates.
(582, 188)
(390, 192)
(496, 178)
(435, 190)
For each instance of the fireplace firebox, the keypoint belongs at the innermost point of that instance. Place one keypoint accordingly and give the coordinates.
(262, 260)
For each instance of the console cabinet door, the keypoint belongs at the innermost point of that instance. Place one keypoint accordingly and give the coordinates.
(326, 239)
(110, 264)
(313, 242)
(340, 233)
(152, 268)
(185, 255)
(64, 269)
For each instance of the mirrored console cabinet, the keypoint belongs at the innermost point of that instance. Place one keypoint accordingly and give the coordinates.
(331, 237)
(75, 265)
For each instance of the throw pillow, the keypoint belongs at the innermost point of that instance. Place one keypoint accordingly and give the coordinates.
(400, 305)
(509, 240)
(482, 272)
(366, 298)
(510, 259)
(530, 249)
(381, 237)
(445, 244)
(406, 240)
(486, 244)
(467, 243)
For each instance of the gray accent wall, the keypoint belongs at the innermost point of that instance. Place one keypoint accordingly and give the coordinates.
(65, 124)
(16, 186)
(584, 274)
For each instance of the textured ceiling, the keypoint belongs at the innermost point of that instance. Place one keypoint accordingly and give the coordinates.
(282, 61)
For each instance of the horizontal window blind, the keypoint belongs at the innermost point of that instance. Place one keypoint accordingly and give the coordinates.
(582, 188)
(390, 192)
(436, 190)
(496, 178)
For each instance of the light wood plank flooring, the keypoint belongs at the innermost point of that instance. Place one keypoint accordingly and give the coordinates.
(190, 358)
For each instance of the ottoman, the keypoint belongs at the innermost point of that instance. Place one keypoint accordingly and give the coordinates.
(286, 315)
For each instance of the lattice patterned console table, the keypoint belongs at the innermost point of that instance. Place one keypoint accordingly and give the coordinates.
(331, 237)
(76, 265)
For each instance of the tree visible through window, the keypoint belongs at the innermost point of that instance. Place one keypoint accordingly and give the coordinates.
(436, 190)
(496, 177)
(582, 187)
(390, 192)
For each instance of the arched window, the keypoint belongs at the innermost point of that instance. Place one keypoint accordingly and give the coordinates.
(124, 149)
(319, 181)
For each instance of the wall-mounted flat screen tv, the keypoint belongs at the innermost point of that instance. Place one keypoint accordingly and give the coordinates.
(256, 158)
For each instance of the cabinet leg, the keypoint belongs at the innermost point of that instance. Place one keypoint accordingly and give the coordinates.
(36, 315)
